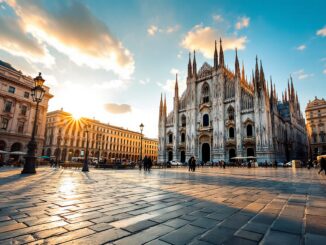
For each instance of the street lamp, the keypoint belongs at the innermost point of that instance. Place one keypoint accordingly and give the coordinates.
(98, 147)
(141, 126)
(37, 95)
(85, 165)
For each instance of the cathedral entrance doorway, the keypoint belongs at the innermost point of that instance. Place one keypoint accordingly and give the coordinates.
(250, 152)
(231, 155)
(206, 153)
(170, 156)
(183, 157)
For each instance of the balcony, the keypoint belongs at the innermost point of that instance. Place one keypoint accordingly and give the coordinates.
(249, 140)
(230, 142)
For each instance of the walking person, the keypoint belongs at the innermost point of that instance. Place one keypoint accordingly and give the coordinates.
(190, 164)
(149, 164)
(145, 161)
(322, 163)
(193, 164)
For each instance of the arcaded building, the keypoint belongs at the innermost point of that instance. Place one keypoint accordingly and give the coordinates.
(316, 126)
(222, 115)
(17, 111)
(66, 137)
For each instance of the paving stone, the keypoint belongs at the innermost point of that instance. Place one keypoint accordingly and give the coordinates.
(183, 235)
(218, 235)
(72, 235)
(249, 235)
(79, 225)
(288, 224)
(157, 242)
(101, 237)
(315, 224)
(277, 237)
(18, 240)
(235, 221)
(256, 227)
(313, 239)
(239, 241)
(140, 226)
(12, 227)
(176, 223)
(204, 223)
(145, 235)
(264, 218)
(101, 227)
(50, 232)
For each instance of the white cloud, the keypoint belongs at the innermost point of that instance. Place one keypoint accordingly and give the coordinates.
(169, 84)
(144, 81)
(217, 18)
(322, 32)
(174, 71)
(152, 30)
(301, 75)
(171, 29)
(179, 55)
(113, 84)
(71, 28)
(202, 39)
(117, 108)
(242, 23)
(324, 71)
(301, 47)
(15, 41)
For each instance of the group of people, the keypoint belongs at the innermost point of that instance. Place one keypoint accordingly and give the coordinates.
(147, 162)
(322, 163)
(192, 164)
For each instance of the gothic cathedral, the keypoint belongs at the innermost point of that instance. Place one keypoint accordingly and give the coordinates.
(222, 115)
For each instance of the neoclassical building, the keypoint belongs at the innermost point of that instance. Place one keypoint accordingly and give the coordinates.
(316, 126)
(222, 115)
(66, 138)
(17, 111)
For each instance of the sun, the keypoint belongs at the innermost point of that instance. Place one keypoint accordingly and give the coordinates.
(76, 116)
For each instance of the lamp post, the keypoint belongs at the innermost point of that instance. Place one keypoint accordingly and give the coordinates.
(37, 95)
(58, 149)
(85, 165)
(98, 147)
(141, 126)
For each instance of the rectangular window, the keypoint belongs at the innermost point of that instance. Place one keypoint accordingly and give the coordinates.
(4, 123)
(23, 110)
(20, 128)
(11, 89)
(8, 106)
(26, 95)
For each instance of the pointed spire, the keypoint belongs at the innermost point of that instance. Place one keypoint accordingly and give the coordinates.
(289, 91)
(256, 73)
(194, 66)
(292, 89)
(215, 57)
(261, 74)
(189, 67)
(282, 97)
(237, 67)
(164, 106)
(243, 78)
(176, 87)
(161, 107)
(271, 92)
(285, 96)
(221, 54)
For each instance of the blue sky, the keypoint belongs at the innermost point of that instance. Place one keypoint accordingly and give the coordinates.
(112, 59)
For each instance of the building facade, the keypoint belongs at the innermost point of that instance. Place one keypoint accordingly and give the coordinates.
(316, 126)
(67, 138)
(222, 115)
(17, 111)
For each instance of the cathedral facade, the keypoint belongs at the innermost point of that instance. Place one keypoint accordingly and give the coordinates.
(222, 115)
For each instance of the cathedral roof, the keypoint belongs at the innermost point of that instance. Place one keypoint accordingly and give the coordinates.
(205, 70)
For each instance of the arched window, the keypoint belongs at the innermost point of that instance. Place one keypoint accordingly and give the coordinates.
(183, 121)
(249, 130)
(183, 137)
(205, 120)
(231, 133)
(170, 138)
(231, 113)
(205, 93)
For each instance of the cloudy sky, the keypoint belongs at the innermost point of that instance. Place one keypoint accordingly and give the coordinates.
(112, 59)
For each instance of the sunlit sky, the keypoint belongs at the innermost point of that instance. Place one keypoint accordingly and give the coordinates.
(112, 59)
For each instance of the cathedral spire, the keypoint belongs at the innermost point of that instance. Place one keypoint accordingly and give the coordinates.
(221, 54)
(189, 67)
(194, 65)
(256, 73)
(237, 67)
(292, 89)
(215, 57)
(164, 106)
(243, 73)
(161, 108)
(176, 87)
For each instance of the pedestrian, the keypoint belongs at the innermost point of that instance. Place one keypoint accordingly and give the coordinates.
(140, 165)
(145, 161)
(190, 164)
(149, 164)
(322, 163)
(223, 164)
(193, 163)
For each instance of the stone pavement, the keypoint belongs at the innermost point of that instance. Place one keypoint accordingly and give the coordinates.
(173, 206)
